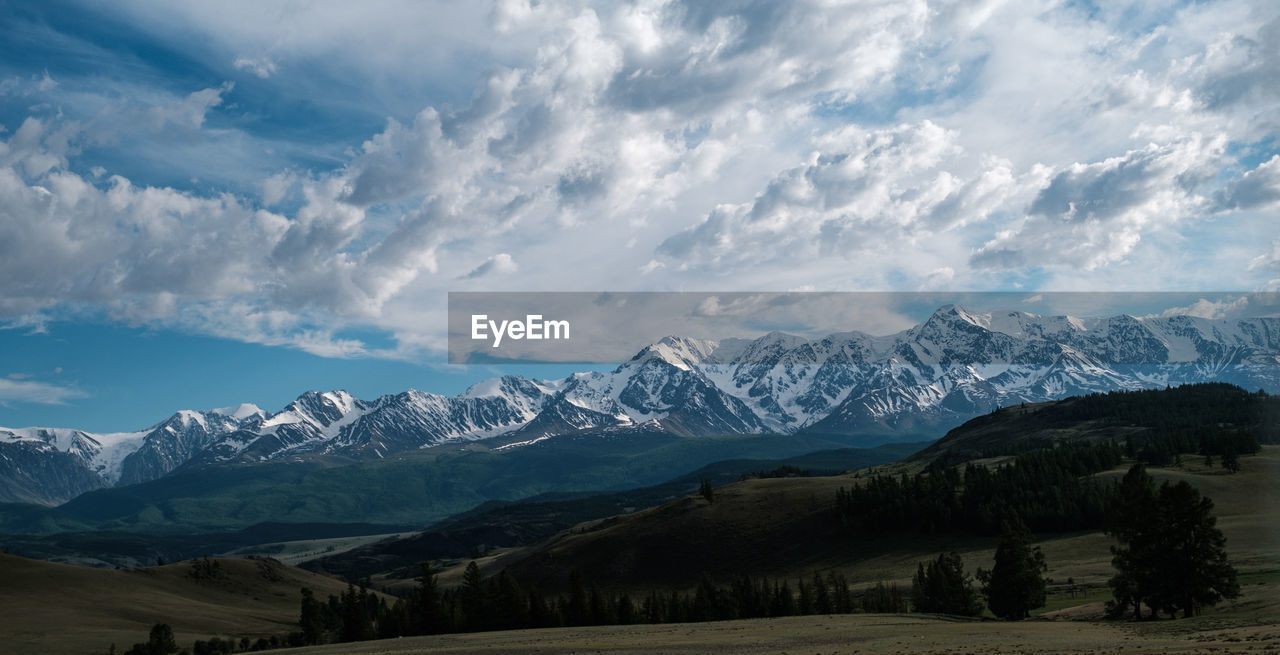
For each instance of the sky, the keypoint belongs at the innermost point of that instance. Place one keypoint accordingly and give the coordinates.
(294, 188)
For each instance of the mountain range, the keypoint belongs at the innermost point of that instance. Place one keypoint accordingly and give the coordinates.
(957, 364)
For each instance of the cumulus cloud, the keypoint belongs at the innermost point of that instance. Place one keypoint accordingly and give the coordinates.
(864, 189)
(138, 250)
(1259, 188)
(1240, 68)
(798, 144)
(1093, 214)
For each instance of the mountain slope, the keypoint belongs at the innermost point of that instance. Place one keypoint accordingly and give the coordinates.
(417, 487)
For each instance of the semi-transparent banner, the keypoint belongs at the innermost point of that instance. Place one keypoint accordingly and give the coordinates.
(1158, 329)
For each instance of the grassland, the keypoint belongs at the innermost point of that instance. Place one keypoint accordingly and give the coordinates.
(58, 608)
(844, 634)
(780, 528)
(1247, 505)
(51, 608)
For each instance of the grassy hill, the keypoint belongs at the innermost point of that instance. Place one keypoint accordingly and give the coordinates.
(1134, 416)
(59, 608)
(525, 522)
(787, 527)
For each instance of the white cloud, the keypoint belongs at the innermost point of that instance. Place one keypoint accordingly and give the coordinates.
(1269, 263)
(29, 391)
(890, 145)
(1212, 309)
(264, 67)
(864, 190)
(1257, 189)
(189, 112)
(499, 264)
(1090, 215)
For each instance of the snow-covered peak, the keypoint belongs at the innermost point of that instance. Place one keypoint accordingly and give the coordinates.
(187, 417)
(239, 412)
(63, 439)
(682, 352)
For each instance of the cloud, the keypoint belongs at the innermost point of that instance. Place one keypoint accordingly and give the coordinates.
(64, 240)
(1269, 263)
(1213, 309)
(743, 145)
(263, 67)
(1090, 215)
(189, 112)
(1257, 189)
(499, 264)
(863, 190)
(1241, 68)
(28, 391)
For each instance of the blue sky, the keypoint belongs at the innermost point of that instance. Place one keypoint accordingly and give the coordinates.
(295, 187)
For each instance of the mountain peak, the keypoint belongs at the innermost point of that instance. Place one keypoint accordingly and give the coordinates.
(681, 352)
(238, 412)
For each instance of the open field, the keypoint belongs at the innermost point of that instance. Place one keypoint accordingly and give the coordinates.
(844, 634)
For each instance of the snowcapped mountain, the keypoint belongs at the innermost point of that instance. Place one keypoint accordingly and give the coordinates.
(958, 363)
(176, 440)
(336, 423)
(50, 465)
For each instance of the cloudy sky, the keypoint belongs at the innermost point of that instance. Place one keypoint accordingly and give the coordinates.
(203, 203)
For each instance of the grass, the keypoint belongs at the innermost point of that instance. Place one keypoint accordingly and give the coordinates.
(1246, 506)
(59, 608)
(843, 634)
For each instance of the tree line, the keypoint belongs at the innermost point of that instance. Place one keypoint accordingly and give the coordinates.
(500, 602)
(1050, 490)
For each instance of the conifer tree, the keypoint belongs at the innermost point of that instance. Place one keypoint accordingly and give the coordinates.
(1193, 569)
(1015, 585)
(944, 587)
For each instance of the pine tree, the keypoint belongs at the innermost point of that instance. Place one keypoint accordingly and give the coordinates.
(475, 611)
(430, 608)
(707, 491)
(1230, 460)
(510, 607)
(1015, 585)
(311, 619)
(356, 623)
(1193, 569)
(576, 612)
(1171, 554)
(161, 641)
(1132, 524)
(944, 587)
